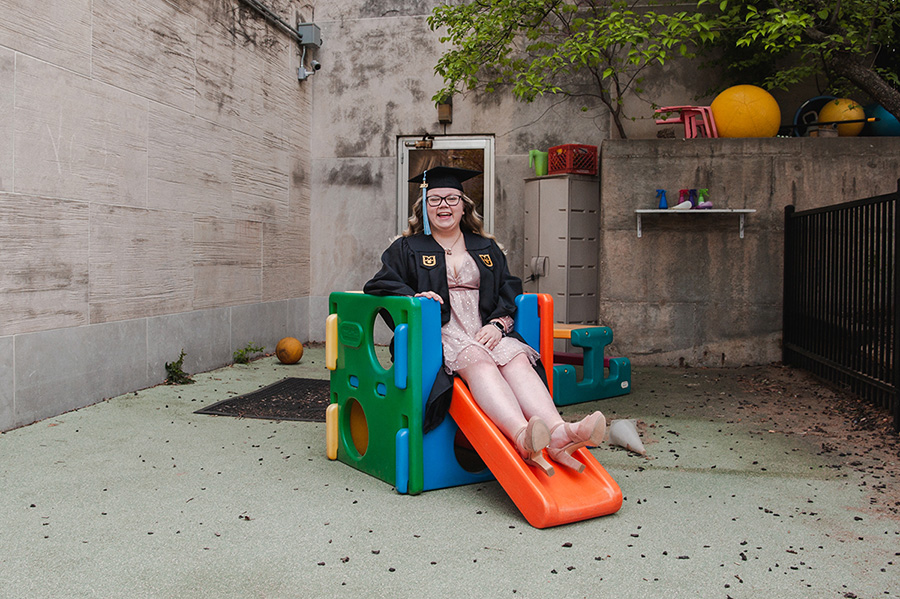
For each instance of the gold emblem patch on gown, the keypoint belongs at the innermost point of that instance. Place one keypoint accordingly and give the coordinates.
(486, 258)
(429, 261)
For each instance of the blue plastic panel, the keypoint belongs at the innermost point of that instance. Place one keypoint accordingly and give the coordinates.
(401, 355)
(432, 350)
(528, 323)
(402, 457)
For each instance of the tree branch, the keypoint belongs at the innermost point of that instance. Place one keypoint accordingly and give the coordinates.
(832, 22)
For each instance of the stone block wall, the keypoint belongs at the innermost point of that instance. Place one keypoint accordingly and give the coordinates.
(154, 194)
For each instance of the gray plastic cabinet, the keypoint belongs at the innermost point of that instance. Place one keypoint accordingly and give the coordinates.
(562, 221)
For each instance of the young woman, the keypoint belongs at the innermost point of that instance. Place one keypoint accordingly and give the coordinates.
(446, 255)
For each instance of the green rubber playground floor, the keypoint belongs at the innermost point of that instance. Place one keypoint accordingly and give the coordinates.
(753, 486)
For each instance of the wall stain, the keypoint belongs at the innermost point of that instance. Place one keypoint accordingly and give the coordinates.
(486, 99)
(415, 90)
(369, 129)
(249, 28)
(388, 8)
(345, 148)
(391, 124)
(356, 176)
(525, 140)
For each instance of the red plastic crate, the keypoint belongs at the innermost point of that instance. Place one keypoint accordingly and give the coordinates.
(572, 158)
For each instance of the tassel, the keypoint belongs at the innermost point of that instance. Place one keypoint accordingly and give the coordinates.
(424, 187)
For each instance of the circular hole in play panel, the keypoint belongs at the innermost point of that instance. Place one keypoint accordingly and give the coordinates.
(359, 427)
(466, 455)
(383, 336)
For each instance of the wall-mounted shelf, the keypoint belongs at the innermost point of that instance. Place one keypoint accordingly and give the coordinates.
(741, 212)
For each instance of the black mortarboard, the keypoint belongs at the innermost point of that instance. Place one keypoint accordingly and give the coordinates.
(441, 176)
(445, 176)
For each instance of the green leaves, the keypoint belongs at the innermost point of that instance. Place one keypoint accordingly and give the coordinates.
(538, 47)
(175, 375)
(243, 356)
(599, 48)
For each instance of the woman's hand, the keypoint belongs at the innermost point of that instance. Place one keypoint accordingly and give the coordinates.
(489, 336)
(430, 295)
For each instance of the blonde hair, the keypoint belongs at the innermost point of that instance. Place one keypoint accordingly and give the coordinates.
(471, 221)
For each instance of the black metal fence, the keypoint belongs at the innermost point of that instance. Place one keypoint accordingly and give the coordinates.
(841, 285)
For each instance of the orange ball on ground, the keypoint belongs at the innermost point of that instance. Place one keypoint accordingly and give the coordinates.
(289, 350)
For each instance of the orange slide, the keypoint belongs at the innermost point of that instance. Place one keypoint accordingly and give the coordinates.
(545, 501)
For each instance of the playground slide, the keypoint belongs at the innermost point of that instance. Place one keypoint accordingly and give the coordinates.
(545, 501)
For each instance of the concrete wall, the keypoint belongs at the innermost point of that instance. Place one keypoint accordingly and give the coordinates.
(694, 293)
(167, 183)
(154, 194)
(376, 84)
(690, 290)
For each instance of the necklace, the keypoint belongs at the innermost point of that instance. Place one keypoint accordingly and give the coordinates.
(449, 250)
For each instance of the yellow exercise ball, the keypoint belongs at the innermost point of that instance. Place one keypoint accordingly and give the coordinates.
(842, 109)
(746, 111)
(289, 350)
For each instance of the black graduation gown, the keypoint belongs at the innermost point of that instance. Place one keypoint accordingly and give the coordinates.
(417, 263)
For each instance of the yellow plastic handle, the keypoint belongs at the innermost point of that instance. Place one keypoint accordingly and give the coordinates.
(331, 341)
(331, 431)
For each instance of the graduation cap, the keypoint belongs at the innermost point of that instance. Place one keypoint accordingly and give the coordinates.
(441, 176)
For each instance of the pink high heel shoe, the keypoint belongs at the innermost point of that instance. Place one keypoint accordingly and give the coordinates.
(530, 443)
(589, 431)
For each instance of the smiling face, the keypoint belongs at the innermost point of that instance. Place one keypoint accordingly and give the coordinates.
(443, 218)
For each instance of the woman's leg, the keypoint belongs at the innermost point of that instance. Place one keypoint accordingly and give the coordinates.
(494, 396)
(535, 400)
(531, 394)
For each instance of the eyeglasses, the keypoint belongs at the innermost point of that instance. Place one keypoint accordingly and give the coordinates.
(435, 201)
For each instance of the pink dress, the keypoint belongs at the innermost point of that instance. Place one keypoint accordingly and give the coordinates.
(457, 336)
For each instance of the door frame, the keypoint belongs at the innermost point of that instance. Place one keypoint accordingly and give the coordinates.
(409, 143)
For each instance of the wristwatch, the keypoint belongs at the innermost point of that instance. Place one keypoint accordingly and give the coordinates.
(497, 324)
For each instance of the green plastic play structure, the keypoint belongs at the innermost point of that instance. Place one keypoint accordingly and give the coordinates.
(593, 385)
